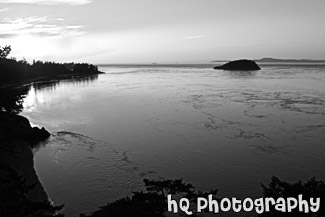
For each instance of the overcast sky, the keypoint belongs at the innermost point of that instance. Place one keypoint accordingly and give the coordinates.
(146, 31)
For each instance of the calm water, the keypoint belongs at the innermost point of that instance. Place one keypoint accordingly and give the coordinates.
(215, 129)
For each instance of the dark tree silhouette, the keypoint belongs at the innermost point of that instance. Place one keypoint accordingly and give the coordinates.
(311, 189)
(5, 51)
(11, 99)
(13, 71)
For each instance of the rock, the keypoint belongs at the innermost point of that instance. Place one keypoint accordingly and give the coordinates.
(239, 65)
(18, 127)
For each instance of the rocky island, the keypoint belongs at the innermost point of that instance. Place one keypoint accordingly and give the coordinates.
(239, 65)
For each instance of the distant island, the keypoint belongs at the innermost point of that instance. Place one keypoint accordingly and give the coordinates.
(275, 60)
(239, 65)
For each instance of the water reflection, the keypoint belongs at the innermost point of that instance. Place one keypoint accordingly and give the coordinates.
(52, 84)
(36, 90)
(242, 74)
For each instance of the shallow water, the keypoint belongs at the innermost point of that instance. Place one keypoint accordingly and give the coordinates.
(215, 129)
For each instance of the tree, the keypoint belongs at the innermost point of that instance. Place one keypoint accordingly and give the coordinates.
(281, 189)
(11, 99)
(5, 51)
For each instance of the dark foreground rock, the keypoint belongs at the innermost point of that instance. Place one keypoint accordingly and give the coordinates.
(239, 65)
(16, 127)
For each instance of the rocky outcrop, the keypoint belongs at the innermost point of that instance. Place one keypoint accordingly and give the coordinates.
(18, 128)
(239, 65)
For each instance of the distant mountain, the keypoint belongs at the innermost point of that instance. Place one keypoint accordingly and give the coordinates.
(273, 60)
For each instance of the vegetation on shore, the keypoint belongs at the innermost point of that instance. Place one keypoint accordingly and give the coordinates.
(277, 188)
(13, 71)
(21, 193)
(11, 99)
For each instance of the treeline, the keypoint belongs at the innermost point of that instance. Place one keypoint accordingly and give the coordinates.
(13, 71)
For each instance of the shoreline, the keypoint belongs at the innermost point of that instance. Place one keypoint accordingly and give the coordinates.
(17, 139)
(44, 78)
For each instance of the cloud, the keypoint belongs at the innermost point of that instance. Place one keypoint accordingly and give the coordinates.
(195, 37)
(4, 9)
(38, 26)
(47, 2)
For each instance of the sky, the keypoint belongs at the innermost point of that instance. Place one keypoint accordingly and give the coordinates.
(162, 31)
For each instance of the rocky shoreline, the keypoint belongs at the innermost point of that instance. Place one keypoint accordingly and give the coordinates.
(21, 191)
(17, 139)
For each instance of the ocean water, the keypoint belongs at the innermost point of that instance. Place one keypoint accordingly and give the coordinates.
(215, 129)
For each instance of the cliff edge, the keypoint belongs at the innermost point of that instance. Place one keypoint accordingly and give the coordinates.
(17, 138)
